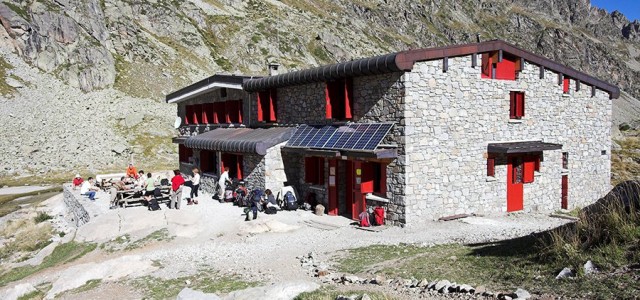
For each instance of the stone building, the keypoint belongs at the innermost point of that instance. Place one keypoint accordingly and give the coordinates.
(476, 128)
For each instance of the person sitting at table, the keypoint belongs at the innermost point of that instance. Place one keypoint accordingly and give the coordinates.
(113, 191)
(88, 189)
(132, 172)
(176, 190)
(149, 187)
(77, 181)
(141, 180)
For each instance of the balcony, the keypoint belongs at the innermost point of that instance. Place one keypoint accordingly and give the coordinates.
(186, 131)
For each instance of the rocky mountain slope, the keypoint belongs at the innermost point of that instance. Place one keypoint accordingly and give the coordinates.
(109, 50)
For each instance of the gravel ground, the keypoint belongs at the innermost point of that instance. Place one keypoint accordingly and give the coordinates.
(214, 237)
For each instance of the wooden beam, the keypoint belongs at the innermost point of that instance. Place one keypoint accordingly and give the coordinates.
(577, 85)
(593, 91)
(560, 78)
(474, 60)
(500, 55)
(445, 64)
(541, 72)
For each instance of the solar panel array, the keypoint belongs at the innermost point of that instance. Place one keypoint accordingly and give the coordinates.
(357, 136)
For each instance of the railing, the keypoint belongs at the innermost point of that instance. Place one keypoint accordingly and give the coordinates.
(193, 130)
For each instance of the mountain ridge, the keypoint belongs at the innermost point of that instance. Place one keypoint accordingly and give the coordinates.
(115, 53)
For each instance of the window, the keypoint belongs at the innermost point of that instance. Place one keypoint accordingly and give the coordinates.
(518, 171)
(516, 105)
(491, 166)
(184, 153)
(267, 106)
(208, 161)
(207, 113)
(219, 115)
(223, 92)
(233, 110)
(566, 85)
(504, 68)
(314, 170)
(379, 178)
(234, 162)
(339, 99)
(565, 160)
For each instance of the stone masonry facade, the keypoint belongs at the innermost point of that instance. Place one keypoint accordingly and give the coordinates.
(451, 117)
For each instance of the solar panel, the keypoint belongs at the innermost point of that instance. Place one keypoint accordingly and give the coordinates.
(356, 136)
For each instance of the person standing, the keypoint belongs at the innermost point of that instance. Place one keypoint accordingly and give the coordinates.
(222, 182)
(150, 186)
(177, 181)
(87, 189)
(195, 185)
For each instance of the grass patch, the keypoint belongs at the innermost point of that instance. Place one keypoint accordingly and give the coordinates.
(5, 88)
(606, 234)
(625, 163)
(62, 254)
(24, 236)
(330, 293)
(41, 217)
(156, 288)
(8, 205)
(89, 285)
(156, 236)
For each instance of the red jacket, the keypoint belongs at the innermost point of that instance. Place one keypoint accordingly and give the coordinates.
(77, 181)
(176, 182)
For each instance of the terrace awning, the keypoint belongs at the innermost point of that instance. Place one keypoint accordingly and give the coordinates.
(521, 147)
(240, 140)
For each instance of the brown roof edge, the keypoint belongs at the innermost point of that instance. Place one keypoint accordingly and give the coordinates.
(406, 59)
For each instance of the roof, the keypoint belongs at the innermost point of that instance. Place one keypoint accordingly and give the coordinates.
(404, 61)
(241, 140)
(522, 147)
(206, 85)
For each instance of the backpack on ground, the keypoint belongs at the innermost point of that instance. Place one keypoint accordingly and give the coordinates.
(290, 202)
(153, 204)
(378, 214)
(271, 210)
(256, 196)
(364, 219)
(164, 181)
(228, 195)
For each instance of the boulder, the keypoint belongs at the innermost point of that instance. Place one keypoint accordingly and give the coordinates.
(18, 291)
(189, 294)
(590, 268)
(441, 284)
(279, 291)
(119, 148)
(379, 280)
(12, 82)
(422, 283)
(521, 294)
(565, 273)
(131, 120)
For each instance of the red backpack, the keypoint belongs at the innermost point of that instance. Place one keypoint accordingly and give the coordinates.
(364, 219)
(378, 213)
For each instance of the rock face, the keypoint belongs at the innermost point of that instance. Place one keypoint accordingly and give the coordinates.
(116, 54)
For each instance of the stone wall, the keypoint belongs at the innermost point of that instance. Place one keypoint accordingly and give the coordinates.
(79, 214)
(274, 173)
(377, 98)
(451, 117)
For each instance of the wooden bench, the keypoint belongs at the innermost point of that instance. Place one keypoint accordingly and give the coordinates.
(126, 197)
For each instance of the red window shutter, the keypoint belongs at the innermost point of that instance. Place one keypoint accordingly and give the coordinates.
(260, 95)
(565, 85)
(486, 65)
(520, 104)
(273, 94)
(506, 69)
(537, 161)
(491, 166)
(327, 100)
(383, 179)
(187, 114)
(348, 96)
(197, 113)
(529, 167)
(239, 166)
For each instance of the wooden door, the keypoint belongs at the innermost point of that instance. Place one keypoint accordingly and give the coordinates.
(358, 200)
(350, 183)
(565, 192)
(515, 184)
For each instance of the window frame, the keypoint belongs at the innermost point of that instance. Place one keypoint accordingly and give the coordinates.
(314, 170)
(267, 103)
(516, 105)
(339, 99)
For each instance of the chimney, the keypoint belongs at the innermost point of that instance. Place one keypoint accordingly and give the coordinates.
(273, 68)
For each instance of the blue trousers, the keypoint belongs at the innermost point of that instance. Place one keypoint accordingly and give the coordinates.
(91, 194)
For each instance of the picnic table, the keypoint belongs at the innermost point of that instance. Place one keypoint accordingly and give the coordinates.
(125, 197)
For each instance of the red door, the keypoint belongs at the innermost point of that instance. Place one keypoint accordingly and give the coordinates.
(358, 201)
(332, 210)
(565, 192)
(350, 180)
(515, 186)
